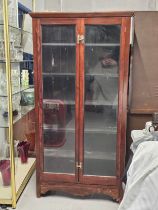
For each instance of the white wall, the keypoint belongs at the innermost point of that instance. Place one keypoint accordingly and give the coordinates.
(157, 5)
(26, 3)
(39, 4)
(100, 5)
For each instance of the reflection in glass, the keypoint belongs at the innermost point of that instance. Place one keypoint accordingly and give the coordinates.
(102, 34)
(59, 66)
(59, 59)
(102, 60)
(101, 99)
(59, 87)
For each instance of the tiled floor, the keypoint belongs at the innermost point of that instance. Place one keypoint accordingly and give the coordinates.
(29, 201)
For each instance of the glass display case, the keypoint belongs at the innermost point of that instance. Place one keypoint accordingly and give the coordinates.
(16, 166)
(81, 79)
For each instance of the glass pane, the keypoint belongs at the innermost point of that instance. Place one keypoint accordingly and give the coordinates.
(103, 34)
(58, 62)
(58, 34)
(102, 60)
(59, 137)
(101, 99)
(58, 59)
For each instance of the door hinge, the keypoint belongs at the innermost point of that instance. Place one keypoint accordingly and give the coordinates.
(80, 38)
(79, 165)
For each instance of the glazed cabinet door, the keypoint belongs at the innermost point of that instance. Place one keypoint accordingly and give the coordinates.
(81, 98)
(58, 99)
(103, 99)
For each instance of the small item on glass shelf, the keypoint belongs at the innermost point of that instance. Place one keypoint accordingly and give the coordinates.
(107, 62)
(31, 139)
(27, 97)
(15, 112)
(5, 171)
(25, 78)
(23, 148)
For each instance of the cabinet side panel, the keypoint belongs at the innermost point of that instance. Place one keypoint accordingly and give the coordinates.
(36, 49)
(123, 93)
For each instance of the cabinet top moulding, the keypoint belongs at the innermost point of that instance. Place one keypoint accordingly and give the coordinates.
(80, 15)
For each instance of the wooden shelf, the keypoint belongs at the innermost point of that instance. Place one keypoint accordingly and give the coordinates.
(63, 153)
(94, 123)
(66, 102)
(59, 44)
(62, 74)
(106, 74)
(102, 44)
(86, 44)
(49, 74)
(101, 103)
(108, 130)
(92, 103)
(23, 173)
(111, 102)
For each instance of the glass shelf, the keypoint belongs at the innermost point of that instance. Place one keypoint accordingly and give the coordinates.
(24, 110)
(17, 61)
(59, 44)
(102, 44)
(13, 29)
(18, 91)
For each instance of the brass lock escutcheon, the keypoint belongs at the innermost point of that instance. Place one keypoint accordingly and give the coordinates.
(79, 165)
(80, 38)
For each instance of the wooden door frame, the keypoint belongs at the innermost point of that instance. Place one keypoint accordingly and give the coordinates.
(122, 101)
(123, 86)
(43, 177)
